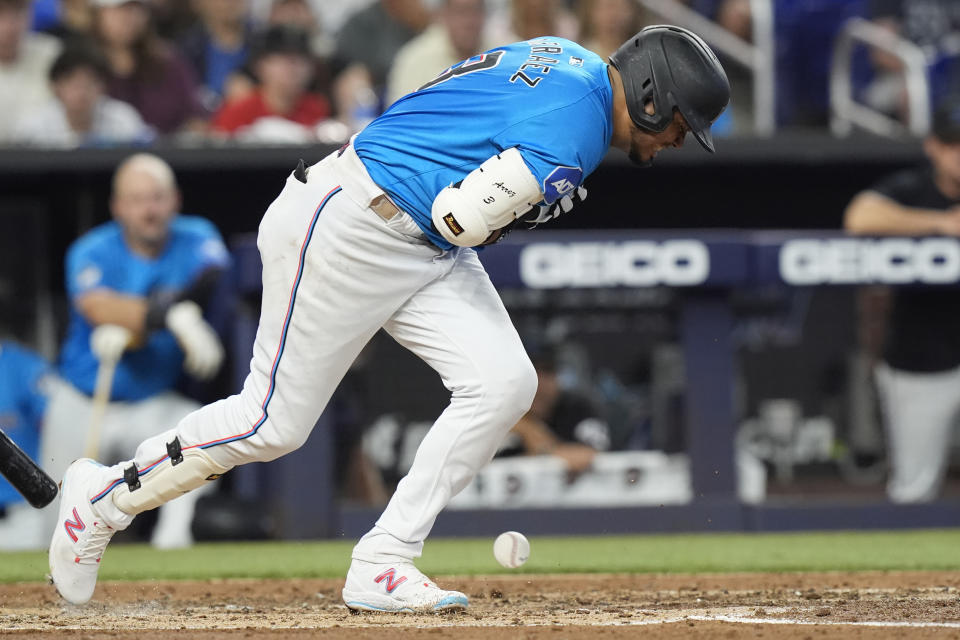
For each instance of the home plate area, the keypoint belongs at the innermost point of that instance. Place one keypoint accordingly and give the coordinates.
(789, 605)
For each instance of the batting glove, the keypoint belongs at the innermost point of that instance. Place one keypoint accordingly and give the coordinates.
(545, 213)
(202, 350)
(108, 341)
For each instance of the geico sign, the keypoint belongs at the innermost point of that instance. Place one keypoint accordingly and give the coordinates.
(638, 263)
(863, 260)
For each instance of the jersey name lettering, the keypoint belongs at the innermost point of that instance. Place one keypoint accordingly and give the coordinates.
(537, 63)
(527, 80)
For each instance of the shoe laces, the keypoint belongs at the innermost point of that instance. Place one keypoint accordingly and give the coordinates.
(92, 548)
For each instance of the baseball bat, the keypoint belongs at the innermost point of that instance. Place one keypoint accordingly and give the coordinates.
(23, 473)
(101, 396)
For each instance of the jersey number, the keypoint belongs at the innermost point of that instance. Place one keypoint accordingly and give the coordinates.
(476, 63)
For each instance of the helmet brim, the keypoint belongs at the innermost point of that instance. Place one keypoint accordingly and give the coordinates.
(705, 138)
(700, 130)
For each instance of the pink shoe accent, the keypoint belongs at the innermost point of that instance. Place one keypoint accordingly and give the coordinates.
(390, 576)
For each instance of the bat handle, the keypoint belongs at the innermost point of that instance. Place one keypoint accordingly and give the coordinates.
(101, 397)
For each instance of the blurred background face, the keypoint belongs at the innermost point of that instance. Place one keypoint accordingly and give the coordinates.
(122, 25)
(464, 21)
(14, 22)
(288, 73)
(223, 11)
(534, 18)
(78, 92)
(144, 202)
(294, 13)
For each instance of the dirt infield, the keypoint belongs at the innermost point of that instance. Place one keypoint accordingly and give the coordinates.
(802, 606)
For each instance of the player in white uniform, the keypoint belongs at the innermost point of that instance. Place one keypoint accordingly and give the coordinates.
(379, 234)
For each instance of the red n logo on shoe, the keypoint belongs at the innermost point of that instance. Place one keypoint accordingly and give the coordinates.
(74, 525)
(390, 576)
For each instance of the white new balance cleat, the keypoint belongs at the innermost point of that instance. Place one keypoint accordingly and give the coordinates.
(80, 536)
(398, 588)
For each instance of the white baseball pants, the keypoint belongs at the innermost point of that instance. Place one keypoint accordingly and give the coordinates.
(920, 411)
(334, 272)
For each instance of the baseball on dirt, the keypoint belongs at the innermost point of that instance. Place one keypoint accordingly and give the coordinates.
(511, 549)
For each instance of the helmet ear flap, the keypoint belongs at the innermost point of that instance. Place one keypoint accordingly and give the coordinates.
(637, 62)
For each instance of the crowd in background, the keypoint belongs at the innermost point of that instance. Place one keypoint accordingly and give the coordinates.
(120, 72)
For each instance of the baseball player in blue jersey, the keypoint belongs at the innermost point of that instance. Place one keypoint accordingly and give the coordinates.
(136, 285)
(25, 379)
(380, 234)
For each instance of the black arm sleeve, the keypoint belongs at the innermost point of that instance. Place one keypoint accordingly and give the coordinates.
(902, 187)
(199, 291)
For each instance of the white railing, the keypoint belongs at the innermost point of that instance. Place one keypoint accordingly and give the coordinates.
(845, 111)
(758, 56)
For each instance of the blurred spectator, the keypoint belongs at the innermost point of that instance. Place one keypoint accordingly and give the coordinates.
(173, 18)
(732, 15)
(147, 72)
(455, 36)
(291, 13)
(25, 59)
(136, 286)
(560, 422)
(366, 47)
(330, 16)
(217, 44)
(281, 108)
(356, 102)
(371, 38)
(607, 24)
(932, 25)
(920, 372)
(74, 20)
(80, 114)
(526, 19)
(24, 385)
(299, 13)
(333, 15)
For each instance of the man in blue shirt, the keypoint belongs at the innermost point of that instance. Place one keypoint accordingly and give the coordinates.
(25, 382)
(136, 286)
(381, 235)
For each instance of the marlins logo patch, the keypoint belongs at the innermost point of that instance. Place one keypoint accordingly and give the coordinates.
(452, 223)
(88, 277)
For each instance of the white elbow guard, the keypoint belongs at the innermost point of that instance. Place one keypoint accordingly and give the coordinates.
(489, 197)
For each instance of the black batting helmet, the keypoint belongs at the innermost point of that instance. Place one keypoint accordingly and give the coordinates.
(675, 69)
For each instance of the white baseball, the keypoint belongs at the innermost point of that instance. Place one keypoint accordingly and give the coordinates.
(511, 549)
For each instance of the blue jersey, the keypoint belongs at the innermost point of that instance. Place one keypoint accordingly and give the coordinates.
(101, 259)
(549, 97)
(23, 400)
